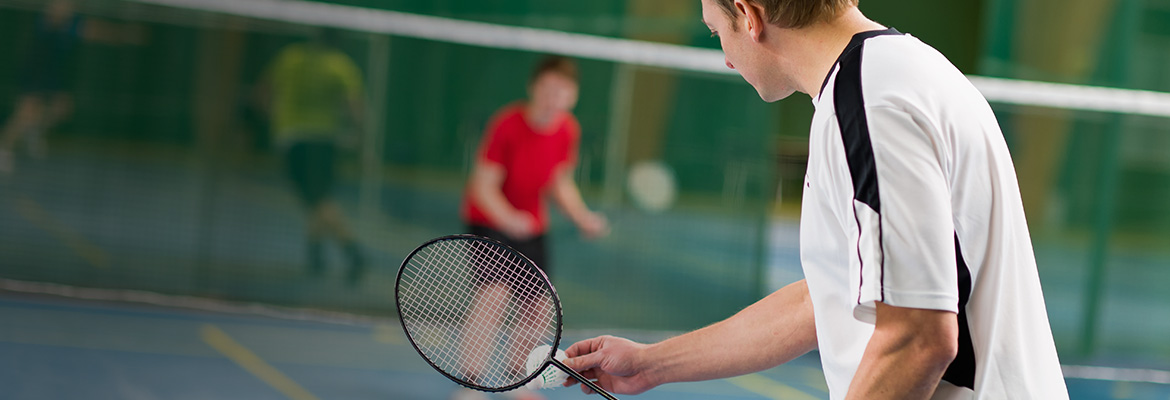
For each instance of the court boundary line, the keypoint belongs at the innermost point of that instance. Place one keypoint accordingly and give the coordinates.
(249, 361)
(1088, 372)
(32, 211)
(194, 303)
(769, 388)
(1136, 375)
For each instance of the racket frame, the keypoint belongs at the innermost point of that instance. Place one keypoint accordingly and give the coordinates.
(556, 300)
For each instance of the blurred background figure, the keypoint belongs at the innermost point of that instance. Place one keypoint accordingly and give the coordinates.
(45, 98)
(313, 94)
(528, 152)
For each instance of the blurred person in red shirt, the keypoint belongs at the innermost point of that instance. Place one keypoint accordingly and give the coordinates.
(528, 153)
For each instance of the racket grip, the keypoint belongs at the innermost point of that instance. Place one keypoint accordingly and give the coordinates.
(582, 379)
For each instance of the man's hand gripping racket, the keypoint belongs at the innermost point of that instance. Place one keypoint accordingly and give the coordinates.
(476, 310)
(615, 363)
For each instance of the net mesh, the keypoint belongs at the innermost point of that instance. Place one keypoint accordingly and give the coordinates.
(475, 310)
(167, 176)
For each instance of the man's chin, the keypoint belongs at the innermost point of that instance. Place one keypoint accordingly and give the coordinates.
(772, 97)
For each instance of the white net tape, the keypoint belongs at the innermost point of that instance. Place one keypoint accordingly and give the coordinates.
(996, 90)
(476, 310)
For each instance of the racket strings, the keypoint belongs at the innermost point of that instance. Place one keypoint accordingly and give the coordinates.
(484, 344)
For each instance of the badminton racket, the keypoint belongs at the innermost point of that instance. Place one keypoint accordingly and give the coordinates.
(475, 310)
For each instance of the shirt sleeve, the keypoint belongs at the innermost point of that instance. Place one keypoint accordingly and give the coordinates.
(494, 145)
(350, 74)
(906, 238)
(274, 73)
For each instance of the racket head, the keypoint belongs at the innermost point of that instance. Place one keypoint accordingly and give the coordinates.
(435, 291)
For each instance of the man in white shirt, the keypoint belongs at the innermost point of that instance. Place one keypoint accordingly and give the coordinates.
(920, 277)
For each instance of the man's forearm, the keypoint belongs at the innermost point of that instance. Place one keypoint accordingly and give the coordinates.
(768, 333)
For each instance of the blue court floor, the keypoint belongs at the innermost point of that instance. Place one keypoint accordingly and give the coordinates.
(60, 348)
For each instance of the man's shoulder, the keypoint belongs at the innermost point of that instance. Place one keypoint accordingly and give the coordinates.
(897, 69)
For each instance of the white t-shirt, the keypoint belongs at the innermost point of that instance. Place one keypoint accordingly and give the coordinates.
(911, 200)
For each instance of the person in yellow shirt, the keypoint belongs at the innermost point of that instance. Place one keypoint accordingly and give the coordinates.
(313, 93)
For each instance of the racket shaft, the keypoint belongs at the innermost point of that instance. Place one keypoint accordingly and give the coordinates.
(582, 379)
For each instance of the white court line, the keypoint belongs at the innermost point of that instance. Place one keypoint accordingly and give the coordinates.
(769, 388)
(1116, 374)
(331, 317)
(189, 303)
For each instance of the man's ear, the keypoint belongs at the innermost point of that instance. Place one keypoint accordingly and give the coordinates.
(753, 18)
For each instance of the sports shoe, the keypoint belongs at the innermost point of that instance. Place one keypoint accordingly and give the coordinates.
(357, 264)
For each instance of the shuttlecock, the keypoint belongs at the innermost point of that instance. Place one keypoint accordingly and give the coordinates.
(551, 376)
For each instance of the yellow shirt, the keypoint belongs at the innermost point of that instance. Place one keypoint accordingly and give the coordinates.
(312, 87)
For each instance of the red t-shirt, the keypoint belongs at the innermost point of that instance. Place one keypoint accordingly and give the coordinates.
(529, 158)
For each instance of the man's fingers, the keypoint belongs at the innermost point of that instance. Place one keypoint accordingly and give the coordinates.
(583, 347)
(584, 362)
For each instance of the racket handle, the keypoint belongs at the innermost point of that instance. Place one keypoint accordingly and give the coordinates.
(582, 379)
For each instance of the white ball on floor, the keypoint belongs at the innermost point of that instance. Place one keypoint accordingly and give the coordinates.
(550, 377)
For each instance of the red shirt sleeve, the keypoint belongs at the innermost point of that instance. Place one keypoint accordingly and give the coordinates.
(494, 146)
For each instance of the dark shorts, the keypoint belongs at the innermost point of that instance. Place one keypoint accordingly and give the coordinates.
(535, 249)
(310, 166)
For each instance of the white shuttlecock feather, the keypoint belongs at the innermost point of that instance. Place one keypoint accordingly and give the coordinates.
(550, 377)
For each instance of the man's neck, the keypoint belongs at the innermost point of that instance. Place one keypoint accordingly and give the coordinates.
(537, 120)
(817, 48)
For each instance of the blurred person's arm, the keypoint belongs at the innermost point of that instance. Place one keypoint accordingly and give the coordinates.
(487, 182)
(262, 93)
(356, 106)
(351, 79)
(568, 196)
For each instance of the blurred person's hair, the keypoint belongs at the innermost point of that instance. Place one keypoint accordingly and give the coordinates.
(793, 14)
(559, 65)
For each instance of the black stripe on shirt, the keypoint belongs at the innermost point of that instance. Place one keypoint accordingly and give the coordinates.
(850, 109)
(961, 372)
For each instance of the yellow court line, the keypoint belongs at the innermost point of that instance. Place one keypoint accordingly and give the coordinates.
(815, 377)
(1122, 390)
(252, 363)
(769, 388)
(30, 210)
(387, 333)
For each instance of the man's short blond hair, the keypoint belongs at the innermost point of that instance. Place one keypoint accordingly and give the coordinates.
(793, 13)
